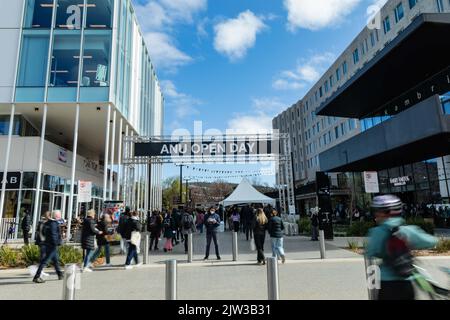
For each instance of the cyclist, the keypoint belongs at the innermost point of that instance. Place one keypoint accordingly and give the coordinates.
(392, 241)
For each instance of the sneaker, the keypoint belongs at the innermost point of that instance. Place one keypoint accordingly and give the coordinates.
(45, 275)
(138, 265)
(218, 258)
(205, 259)
(38, 280)
(61, 276)
(108, 265)
(87, 269)
(283, 259)
(128, 267)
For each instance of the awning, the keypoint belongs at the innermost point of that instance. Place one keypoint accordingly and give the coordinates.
(419, 52)
(246, 193)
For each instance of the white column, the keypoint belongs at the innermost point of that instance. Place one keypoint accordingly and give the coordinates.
(113, 142)
(119, 161)
(74, 163)
(146, 206)
(8, 150)
(105, 165)
(39, 173)
(138, 174)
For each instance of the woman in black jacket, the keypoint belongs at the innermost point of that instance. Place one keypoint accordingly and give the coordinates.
(259, 227)
(133, 225)
(275, 228)
(105, 226)
(88, 233)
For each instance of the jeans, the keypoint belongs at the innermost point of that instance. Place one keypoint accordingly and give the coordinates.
(185, 237)
(26, 236)
(88, 257)
(277, 247)
(99, 250)
(43, 251)
(132, 253)
(211, 235)
(51, 254)
(200, 227)
(315, 232)
(259, 243)
(123, 246)
(154, 237)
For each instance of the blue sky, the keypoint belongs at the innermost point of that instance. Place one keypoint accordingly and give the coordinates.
(237, 63)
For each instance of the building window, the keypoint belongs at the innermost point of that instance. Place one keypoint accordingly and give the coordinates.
(320, 92)
(386, 25)
(99, 14)
(331, 81)
(38, 14)
(316, 96)
(399, 12)
(342, 128)
(344, 67)
(338, 74)
(96, 60)
(326, 86)
(372, 39)
(69, 14)
(440, 5)
(355, 56)
(351, 124)
(33, 61)
(65, 60)
(412, 3)
(336, 132)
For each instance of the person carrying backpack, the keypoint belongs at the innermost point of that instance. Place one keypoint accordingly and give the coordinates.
(169, 231)
(392, 241)
(154, 226)
(187, 227)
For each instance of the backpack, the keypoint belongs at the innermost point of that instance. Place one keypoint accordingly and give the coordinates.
(153, 221)
(398, 255)
(167, 222)
(186, 222)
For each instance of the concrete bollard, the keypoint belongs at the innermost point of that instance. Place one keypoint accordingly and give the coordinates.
(235, 246)
(146, 248)
(273, 289)
(322, 244)
(171, 280)
(70, 282)
(190, 247)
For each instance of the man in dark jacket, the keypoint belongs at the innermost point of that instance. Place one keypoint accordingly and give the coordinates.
(88, 233)
(314, 225)
(124, 216)
(154, 226)
(52, 241)
(133, 225)
(26, 226)
(187, 227)
(212, 223)
(176, 216)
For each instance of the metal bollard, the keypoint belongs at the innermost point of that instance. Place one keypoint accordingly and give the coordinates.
(146, 247)
(272, 279)
(235, 246)
(71, 281)
(371, 292)
(190, 247)
(322, 244)
(171, 280)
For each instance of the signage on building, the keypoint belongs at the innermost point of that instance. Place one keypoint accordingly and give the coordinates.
(62, 155)
(12, 181)
(399, 181)
(84, 191)
(201, 148)
(292, 210)
(371, 182)
(90, 165)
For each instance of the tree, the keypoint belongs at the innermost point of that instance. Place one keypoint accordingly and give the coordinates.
(171, 192)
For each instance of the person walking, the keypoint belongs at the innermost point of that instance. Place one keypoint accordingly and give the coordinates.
(132, 236)
(314, 225)
(26, 227)
(176, 216)
(259, 226)
(105, 227)
(154, 226)
(124, 216)
(200, 219)
(235, 218)
(187, 227)
(53, 240)
(212, 223)
(169, 231)
(40, 238)
(392, 241)
(275, 228)
(88, 233)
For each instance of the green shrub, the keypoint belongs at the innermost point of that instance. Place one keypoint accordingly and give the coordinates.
(359, 228)
(443, 245)
(70, 254)
(9, 257)
(30, 254)
(420, 222)
(353, 245)
(304, 226)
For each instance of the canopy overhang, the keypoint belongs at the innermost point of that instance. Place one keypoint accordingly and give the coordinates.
(246, 193)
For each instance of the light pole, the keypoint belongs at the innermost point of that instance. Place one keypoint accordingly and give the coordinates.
(187, 190)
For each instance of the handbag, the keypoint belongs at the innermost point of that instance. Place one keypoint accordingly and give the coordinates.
(252, 244)
(135, 238)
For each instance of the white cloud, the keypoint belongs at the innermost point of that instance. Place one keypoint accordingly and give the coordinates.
(306, 72)
(234, 37)
(184, 10)
(158, 14)
(163, 51)
(259, 120)
(317, 14)
(181, 104)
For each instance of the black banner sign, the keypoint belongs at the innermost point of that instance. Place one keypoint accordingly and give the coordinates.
(324, 204)
(13, 180)
(203, 148)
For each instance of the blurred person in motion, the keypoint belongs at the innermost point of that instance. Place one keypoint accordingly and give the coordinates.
(88, 233)
(106, 229)
(154, 226)
(259, 226)
(314, 225)
(187, 227)
(40, 241)
(132, 236)
(275, 228)
(53, 240)
(200, 219)
(392, 241)
(235, 218)
(124, 216)
(26, 226)
(169, 231)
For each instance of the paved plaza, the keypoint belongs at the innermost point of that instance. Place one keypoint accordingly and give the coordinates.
(304, 276)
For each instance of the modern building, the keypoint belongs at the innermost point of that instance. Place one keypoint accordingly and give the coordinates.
(319, 127)
(76, 78)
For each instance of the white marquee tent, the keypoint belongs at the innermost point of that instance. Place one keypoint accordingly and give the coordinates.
(246, 193)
